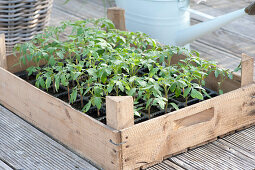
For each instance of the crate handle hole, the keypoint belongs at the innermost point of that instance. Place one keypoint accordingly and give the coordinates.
(201, 117)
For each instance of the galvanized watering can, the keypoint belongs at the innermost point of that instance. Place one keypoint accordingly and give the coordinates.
(169, 20)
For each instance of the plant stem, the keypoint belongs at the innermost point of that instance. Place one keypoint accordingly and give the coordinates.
(98, 112)
(149, 112)
(117, 91)
(166, 93)
(68, 93)
(53, 85)
(81, 99)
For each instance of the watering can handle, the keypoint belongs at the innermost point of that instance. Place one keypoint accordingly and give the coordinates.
(250, 10)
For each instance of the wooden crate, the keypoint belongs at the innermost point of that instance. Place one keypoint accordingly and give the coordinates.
(120, 144)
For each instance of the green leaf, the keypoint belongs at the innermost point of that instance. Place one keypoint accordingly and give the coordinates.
(104, 77)
(76, 75)
(220, 92)
(98, 91)
(42, 82)
(186, 92)
(73, 96)
(174, 106)
(136, 113)
(60, 54)
(109, 88)
(230, 76)
(216, 73)
(142, 83)
(87, 90)
(132, 92)
(206, 94)
(148, 103)
(120, 85)
(86, 107)
(57, 80)
(98, 102)
(196, 94)
(48, 82)
(173, 87)
(161, 102)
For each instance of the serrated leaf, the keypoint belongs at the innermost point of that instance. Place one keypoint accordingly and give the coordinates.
(98, 102)
(98, 91)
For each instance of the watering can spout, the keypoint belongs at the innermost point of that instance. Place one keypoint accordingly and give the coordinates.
(188, 35)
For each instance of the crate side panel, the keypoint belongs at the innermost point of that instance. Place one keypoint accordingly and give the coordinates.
(13, 67)
(151, 141)
(81, 133)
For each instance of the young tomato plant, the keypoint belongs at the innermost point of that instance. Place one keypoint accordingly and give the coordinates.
(95, 60)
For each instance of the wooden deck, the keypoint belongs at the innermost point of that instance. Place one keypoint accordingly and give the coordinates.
(24, 147)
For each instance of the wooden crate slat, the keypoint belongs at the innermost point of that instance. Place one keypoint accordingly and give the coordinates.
(150, 141)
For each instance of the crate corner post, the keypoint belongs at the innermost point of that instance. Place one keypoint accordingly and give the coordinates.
(3, 59)
(117, 16)
(119, 112)
(247, 70)
(119, 115)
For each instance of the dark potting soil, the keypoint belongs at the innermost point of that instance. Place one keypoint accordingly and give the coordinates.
(62, 94)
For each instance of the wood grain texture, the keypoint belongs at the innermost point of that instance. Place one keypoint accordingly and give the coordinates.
(117, 16)
(83, 134)
(211, 156)
(4, 166)
(24, 147)
(150, 141)
(3, 61)
(247, 70)
(119, 112)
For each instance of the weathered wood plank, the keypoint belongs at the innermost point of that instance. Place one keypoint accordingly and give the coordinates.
(58, 16)
(81, 9)
(4, 166)
(214, 157)
(235, 150)
(247, 70)
(25, 147)
(181, 163)
(3, 60)
(244, 140)
(173, 165)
